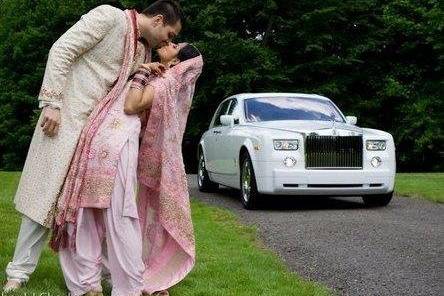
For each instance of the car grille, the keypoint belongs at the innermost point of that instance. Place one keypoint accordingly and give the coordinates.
(333, 152)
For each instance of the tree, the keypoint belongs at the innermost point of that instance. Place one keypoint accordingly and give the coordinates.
(379, 60)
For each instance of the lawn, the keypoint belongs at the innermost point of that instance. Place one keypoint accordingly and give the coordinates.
(230, 258)
(421, 185)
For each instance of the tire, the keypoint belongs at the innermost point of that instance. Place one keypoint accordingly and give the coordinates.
(203, 180)
(377, 200)
(248, 187)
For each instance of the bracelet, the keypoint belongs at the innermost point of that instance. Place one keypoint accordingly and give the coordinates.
(140, 78)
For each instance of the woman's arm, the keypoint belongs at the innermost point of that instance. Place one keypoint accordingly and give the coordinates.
(140, 96)
(133, 97)
(139, 100)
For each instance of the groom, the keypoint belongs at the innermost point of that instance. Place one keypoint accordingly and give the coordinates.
(82, 67)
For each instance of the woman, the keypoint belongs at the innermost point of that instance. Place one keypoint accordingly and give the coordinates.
(164, 208)
(98, 198)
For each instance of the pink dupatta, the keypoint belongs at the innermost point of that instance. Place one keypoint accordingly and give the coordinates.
(90, 178)
(163, 205)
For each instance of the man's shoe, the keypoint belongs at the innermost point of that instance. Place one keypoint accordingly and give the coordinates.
(12, 285)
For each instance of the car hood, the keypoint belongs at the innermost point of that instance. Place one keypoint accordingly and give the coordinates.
(309, 126)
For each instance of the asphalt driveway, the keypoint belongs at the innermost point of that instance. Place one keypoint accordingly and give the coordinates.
(396, 250)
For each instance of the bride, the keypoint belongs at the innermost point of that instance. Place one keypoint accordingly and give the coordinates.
(149, 239)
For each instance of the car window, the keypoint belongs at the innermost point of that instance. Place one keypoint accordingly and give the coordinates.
(221, 111)
(232, 107)
(290, 108)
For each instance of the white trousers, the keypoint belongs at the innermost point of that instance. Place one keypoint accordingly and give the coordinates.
(30, 242)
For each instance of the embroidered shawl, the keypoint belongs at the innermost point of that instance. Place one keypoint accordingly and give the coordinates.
(163, 205)
(92, 171)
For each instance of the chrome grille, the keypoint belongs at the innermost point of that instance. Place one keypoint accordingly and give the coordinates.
(333, 152)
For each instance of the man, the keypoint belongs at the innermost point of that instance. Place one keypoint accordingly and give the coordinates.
(82, 67)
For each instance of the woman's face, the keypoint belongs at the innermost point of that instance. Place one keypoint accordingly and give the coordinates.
(168, 52)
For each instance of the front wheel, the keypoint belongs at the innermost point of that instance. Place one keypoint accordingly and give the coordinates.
(377, 200)
(249, 194)
(203, 180)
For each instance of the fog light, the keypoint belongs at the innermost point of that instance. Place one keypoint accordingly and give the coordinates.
(376, 161)
(289, 161)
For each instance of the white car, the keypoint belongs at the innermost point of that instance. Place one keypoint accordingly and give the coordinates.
(294, 144)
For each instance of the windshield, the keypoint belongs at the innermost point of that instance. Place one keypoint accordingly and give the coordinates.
(290, 108)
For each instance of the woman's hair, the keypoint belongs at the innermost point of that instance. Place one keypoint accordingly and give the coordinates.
(187, 52)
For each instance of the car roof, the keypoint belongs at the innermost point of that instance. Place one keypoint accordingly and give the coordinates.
(276, 94)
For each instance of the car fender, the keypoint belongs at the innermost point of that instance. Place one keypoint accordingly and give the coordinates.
(250, 144)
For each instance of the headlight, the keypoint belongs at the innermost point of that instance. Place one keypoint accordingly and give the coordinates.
(375, 145)
(286, 144)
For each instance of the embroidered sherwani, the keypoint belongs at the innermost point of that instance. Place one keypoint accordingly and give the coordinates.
(82, 66)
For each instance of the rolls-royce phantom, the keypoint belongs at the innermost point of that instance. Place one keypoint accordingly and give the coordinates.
(294, 144)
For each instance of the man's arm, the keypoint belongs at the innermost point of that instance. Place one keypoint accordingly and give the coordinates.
(82, 36)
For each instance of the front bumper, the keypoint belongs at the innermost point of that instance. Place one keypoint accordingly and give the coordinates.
(326, 182)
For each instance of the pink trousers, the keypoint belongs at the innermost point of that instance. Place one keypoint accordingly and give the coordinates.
(119, 226)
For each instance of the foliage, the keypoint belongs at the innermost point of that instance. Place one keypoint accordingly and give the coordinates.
(379, 60)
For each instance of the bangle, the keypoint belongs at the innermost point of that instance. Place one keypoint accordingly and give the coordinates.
(140, 78)
(144, 71)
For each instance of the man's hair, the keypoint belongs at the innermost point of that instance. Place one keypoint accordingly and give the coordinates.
(169, 9)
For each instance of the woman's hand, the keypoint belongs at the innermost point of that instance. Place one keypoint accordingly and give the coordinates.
(154, 68)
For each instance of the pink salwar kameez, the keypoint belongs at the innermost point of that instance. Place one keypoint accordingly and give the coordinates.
(164, 240)
(119, 225)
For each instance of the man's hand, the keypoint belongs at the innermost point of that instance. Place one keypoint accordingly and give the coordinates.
(51, 121)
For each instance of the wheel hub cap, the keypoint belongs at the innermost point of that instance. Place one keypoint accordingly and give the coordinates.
(201, 170)
(246, 182)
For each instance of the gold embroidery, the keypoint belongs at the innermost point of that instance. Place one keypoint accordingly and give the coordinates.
(51, 214)
(176, 215)
(150, 169)
(116, 124)
(50, 94)
(98, 188)
(104, 154)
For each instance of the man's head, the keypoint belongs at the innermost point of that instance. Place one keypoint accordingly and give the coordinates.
(161, 22)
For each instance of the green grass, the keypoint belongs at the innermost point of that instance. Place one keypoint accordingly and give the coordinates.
(230, 259)
(421, 185)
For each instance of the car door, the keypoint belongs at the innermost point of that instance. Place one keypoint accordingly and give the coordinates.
(211, 137)
(225, 148)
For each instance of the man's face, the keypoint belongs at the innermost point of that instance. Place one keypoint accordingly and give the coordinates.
(163, 34)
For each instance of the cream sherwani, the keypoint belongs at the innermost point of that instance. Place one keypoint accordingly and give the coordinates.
(82, 66)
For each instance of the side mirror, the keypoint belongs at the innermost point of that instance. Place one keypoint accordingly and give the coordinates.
(227, 120)
(351, 119)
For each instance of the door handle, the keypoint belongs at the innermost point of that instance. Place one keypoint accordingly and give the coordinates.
(217, 132)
